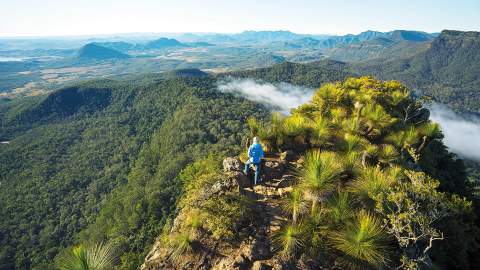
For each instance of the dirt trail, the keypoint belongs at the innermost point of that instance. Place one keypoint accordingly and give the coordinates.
(268, 195)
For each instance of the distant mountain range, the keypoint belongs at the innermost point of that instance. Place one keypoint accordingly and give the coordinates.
(447, 69)
(157, 44)
(445, 66)
(281, 39)
(324, 40)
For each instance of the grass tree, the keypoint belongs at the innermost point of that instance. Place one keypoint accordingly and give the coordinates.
(351, 164)
(398, 96)
(354, 143)
(321, 172)
(321, 131)
(429, 131)
(363, 241)
(329, 95)
(339, 208)
(289, 240)
(294, 204)
(89, 257)
(388, 154)
(371, 182)
(376, 118)
(295, 125)
(352, 125)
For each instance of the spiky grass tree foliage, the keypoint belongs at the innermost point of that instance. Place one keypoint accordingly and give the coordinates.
(295, 125)
(371, 182)
(376, 119)
(398, 96)
(351, 164)
(289, 240)
(321, 173)
(354, 142)
(339, 208)
(321, 132)
(363, 241)
(353, 125)
(89, 257)
(294, 204)
(429, 131)
(388, 154)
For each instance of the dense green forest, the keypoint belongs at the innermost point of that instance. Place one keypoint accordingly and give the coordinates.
(309, 75)
(99, 161)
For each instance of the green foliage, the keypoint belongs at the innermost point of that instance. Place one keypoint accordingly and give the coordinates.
(363, 240)
(224, 214)
(93, 257)
(371, 182)
(294, 204)
(311, 75)
(101, 161)
(289, 240)
(339, 208)
(377, 157)
(201, 211)
(320, 175)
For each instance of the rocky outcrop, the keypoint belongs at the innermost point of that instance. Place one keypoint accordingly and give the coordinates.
(232, 164)
(253, 248)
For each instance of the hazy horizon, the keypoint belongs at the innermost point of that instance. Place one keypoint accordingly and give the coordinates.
(144, 34)
(56, 18)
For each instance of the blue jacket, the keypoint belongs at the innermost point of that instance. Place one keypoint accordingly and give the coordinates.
(255, 153)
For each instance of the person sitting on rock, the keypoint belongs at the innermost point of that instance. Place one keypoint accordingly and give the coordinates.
(255, 154)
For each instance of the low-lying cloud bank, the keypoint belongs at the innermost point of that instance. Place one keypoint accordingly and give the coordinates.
(462, 135)
(282, 96)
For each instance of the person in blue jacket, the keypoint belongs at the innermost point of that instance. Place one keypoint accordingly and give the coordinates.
(255, 154)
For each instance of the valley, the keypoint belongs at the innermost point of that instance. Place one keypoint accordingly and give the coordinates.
(38, 68)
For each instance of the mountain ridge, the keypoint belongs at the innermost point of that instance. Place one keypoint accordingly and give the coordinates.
(96, 51)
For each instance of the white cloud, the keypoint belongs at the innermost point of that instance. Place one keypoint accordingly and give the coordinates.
(462, 135)
(283, 96)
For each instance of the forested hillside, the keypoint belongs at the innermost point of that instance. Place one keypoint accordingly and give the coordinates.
(99, 160)
(310, 75)
(447, 70)
(102, 158)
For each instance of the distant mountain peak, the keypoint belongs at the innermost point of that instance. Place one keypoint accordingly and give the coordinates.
(96, 51)
(162, 43)
(410, 35)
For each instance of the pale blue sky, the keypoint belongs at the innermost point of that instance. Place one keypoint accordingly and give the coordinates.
(86, 17)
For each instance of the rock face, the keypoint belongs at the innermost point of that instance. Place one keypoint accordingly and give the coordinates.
(253, 248)
(232, 164)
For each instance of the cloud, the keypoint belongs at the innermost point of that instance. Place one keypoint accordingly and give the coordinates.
(282, 96)
(462, 135)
